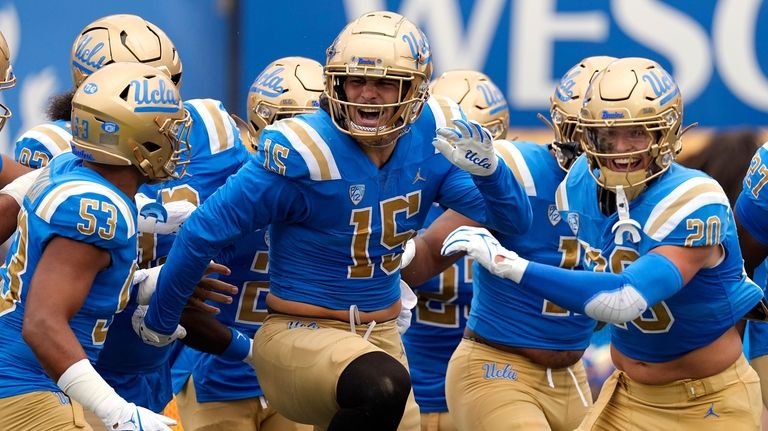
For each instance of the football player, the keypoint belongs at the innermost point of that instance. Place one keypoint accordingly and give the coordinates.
(71, 266)
(342, 190)
(141, 373)
(749, 211)
(443, 301)
(663, 263)
(224, 394)
(518, 366)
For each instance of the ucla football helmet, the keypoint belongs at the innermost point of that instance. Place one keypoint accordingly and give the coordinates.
(478, 97)
(379, 45)
(565, 105)
(632, 92)
(7, 78)
(118, 38)
(286, 87)
(131, 114)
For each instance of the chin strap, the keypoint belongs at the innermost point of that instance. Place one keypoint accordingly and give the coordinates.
(625, 225)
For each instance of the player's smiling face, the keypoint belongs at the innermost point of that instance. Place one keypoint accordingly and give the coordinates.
(629, 143)
(375, 92)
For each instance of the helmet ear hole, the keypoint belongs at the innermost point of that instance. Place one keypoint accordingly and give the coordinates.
(151, 146)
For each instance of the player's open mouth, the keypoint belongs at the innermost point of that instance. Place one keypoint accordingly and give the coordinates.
(628, 164)
(368, 118)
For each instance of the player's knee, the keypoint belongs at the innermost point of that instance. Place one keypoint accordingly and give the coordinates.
(374, 388)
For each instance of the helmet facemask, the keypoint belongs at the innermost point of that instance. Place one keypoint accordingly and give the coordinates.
(7, 78)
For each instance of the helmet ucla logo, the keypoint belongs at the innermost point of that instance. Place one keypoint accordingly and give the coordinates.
(154, 96)
(564, 90)
(269, 82)
(88, 57)
(419, 47)
(662, 85)
(493, 97)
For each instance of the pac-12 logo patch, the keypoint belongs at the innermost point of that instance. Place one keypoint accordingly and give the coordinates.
(356, 193)
(573, 222)
(553, 215)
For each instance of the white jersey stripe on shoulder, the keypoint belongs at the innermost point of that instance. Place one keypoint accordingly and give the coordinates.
(322, 146)
(686, 198)
(765, 145)
(60, 193)
(561, 196)
(516, 162)
(220, 137)
(437, 112)
(444, 110)
(55, 139)
(313, 153)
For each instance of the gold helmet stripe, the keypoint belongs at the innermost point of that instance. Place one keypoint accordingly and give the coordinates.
(56, 197)
(681, 203)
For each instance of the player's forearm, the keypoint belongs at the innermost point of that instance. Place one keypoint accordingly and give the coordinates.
(507, 208)
(10, 170)
(52, 341)
(603, 296)
(426, 263)
(9, 208)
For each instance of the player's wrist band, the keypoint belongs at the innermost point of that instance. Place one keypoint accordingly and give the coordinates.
(239, 348)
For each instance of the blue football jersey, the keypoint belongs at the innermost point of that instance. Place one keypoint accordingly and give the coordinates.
(221, 379)
(437, 327)
(684, 208)
(337, 222)
(503, 312)
(38, 145)
(70, 201)
(752, 211)
(217, 153)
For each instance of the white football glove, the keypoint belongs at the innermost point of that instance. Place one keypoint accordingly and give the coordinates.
(146, 281)
(149, 336)
(136, 418)
(468, 146)
(409, 252)
(164, 219)
(17, 188)
(408, 300)
(484, 248)
(83, 384)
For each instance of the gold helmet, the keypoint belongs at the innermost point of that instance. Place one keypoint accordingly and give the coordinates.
(288, 86)
(379, 45)
(566, 104)
(118, 38)
(632, 92)
(478, 97)
(7, 78)
(131, 114)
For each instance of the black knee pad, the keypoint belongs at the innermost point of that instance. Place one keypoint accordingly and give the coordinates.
(372, 392)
